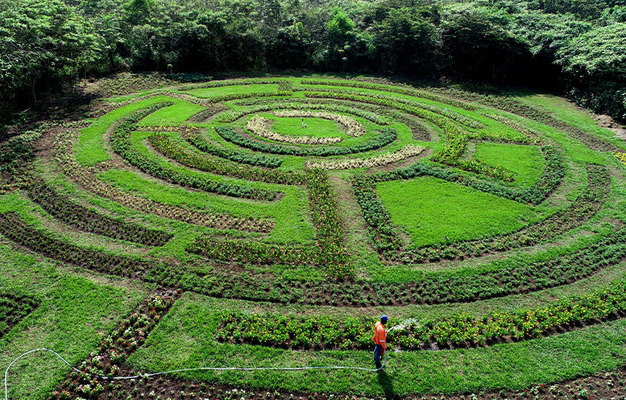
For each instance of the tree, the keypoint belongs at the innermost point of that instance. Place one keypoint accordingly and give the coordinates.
(43, 43)
(405, 42)
(479, 45)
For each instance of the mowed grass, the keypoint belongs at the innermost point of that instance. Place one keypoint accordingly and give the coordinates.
(526, 162)
(429, 209)
(186, 339)
(75, 313)
(291, 215)
(173, 115)
(315, 127)
(228, 90)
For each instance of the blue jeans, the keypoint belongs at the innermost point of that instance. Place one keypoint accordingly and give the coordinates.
(377, 351)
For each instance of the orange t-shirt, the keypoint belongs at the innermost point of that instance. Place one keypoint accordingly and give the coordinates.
(380, 334)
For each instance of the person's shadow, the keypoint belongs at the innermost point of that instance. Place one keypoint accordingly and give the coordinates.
(386, 384)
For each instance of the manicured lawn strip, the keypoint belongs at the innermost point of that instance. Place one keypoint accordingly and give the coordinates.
(387, 242)
(74, 313)
(517, 365)
(255, 106)
(571, 114)
(201, 143)
(236, 89)
(514, 106)
(164, 145)
(122, 145)
(464, 286)
(316, 126)
(86, 177)
(409, 91)
(586, 205)
(175, 114)
(330, 252)
(229, 134)
(90, 149)
(435, 211)
(526, 162)
(289, 225)
(89, 220)
(457, 330)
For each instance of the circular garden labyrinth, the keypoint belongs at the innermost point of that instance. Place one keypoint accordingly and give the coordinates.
(269, 222)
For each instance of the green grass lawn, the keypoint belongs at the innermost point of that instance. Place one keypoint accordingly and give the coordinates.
(430, 209)
(315, 127)
(526, 162)
(228, 90)
(79, 307)
(185, 339)
(76, 311)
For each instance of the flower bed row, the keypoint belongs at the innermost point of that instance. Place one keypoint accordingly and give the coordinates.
(621, 156)
(193, 136)
(13, 308)
(353, 127)
(387, 243)
(329, 253)
(444, 112)
(329, 232)
(13, 228)
(553, 174)
(122, 145)
(164, 145)
(255, 106)
(228, 133)
(394, 89)
(261, 127)
(383, 159)
(109, 359)
(484, 283)
(230, 82)
(532, 135)
(85, 177)
(460, 330)
(239, 96)
(513, 106)
(89, 220)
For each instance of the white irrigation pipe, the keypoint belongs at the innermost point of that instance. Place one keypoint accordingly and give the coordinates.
(6, 372)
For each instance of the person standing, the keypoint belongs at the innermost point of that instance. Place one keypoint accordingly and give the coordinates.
(380, 339)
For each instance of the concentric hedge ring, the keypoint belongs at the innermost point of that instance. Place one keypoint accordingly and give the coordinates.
(305, 191)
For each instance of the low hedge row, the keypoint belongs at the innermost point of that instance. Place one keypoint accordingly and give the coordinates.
(586, 205)
(13, 308)
(194, 137)
(86, 178)
(164, 145)
(387, 243)
(329, 253)
(460, 330)
(122, 145)
(228, 133)
(394, 89)
(513, 106)
(516, 276)
(445, 112)
(89, 220)
(256, 106)
(329, 233)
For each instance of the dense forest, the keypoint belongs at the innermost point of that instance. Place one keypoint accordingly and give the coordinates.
(574, 46)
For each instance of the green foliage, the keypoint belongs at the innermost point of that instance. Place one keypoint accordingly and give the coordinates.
(43, 44)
